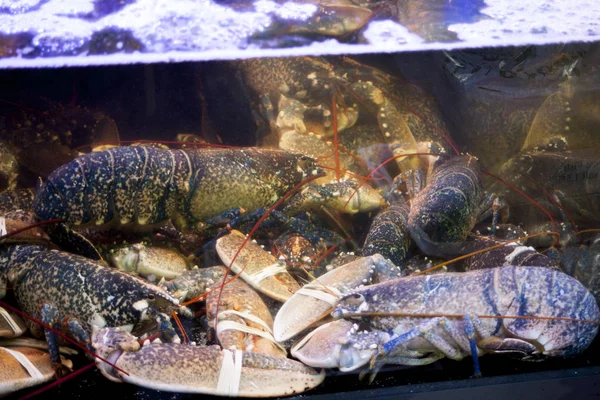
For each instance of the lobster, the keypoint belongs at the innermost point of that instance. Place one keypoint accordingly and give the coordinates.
(201, 369)
(140, 187)
(75, 294)
(146, 185)
(416, 320)
(446, 210)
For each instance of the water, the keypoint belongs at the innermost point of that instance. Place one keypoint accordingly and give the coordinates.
(495, 103)
(57, 33)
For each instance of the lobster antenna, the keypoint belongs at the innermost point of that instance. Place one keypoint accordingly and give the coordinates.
(362, 24)
(314, 279)
(36, 225)
(461, 316)
(357, 158)
(21, 106)
(336, 152)
(186, 339)
(426, 122)
(496, 246)
(166, 142)
(203, 295)
(335, 222)
(591, 230)
(381, 177)
(276, 252)
(557, 204)
(324, 254)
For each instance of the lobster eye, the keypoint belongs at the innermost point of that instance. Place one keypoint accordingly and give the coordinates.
(355, 299)
(151, 296)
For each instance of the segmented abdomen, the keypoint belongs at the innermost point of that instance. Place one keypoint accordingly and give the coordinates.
(537, 291)
(446, 209)
(133, 184)
(389, 235)
(147, 185)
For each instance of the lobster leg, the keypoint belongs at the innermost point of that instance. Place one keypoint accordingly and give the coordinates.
(222, 219)
(497, 208)
(455, 351)
(49, 316)
(78, 332)
(470, 331)
(268, 111)
(73, 242)
(3, 285)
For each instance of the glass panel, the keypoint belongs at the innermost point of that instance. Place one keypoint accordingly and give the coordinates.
(416, 209)
(36, 33)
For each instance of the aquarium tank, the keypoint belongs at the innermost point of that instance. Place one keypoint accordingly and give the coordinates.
(299, 198)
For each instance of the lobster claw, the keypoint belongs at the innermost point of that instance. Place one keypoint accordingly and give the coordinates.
(214, 371)
(11, 325)
(23, 366)
(110, 343)
(260, 269)
(337, 345)
(317, 299)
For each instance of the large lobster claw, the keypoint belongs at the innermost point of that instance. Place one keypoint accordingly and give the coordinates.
(317, 299)
(188, 368)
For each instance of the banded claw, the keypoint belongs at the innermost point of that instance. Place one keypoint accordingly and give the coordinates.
(317, 299)
(201, 369)
(22, 367)
(261, 269)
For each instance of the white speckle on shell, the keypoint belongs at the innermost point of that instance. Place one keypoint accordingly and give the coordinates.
(141, 305)
(98, 320)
